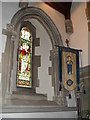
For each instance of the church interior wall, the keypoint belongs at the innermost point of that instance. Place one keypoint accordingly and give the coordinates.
(79, 38)
(10, 8)
(44, 52)
(8, 11)
(57, 18)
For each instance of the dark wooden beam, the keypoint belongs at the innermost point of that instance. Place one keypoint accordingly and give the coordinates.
(62, 7)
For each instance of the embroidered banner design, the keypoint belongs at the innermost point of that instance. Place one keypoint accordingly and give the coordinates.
(68, 68)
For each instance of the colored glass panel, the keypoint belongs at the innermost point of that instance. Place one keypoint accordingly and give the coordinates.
(24, 68)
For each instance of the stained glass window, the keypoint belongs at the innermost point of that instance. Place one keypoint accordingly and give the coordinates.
(24, 67)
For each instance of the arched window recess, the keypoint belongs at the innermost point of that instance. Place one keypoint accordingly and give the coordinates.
(27, 68)
(24, 63)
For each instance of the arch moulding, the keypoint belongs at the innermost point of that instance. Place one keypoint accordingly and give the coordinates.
(55, 37)
(43, 18)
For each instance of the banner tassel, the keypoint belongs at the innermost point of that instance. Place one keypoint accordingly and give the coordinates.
(69, 95)
(78, 88)
(60, 87)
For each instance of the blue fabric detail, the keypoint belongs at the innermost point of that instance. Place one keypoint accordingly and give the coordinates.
(60, 87)
(69, 49)
(77, 67)
(78, 88)
(69, 96)
(69, 68)
(60, 69)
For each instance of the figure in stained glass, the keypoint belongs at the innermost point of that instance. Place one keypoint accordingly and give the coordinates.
(24, 73)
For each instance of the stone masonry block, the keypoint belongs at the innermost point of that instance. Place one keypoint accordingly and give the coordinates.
(50, 70)
(37, 61)
(37, 42)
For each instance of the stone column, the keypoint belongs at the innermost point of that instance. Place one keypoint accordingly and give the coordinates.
(54, 70)
(7, 57)
(59, 97)
(10, 62)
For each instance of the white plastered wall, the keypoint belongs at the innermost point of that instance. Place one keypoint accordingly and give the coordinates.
(45, 82)
(57, 18)
(79, 39)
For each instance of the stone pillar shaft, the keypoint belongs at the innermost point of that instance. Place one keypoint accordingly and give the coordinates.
(55, 64)
(7, 58)
(10, 62)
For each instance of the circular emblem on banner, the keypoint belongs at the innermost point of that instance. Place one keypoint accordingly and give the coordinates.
(69, 82)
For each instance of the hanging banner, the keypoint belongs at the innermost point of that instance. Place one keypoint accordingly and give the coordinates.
(68, 68)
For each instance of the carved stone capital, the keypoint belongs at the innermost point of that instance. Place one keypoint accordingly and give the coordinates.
(10, 27)
(10, 30)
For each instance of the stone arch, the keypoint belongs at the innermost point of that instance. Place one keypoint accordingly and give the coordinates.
(43, 18)
(55, 37)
